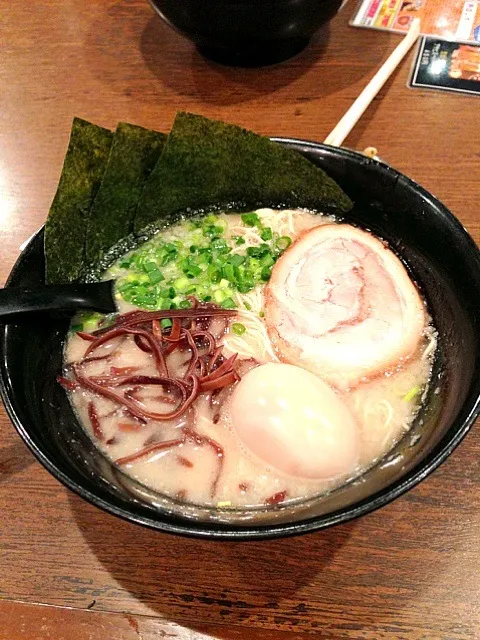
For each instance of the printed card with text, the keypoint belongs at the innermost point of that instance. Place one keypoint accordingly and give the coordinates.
(456, 20)
(448, 66)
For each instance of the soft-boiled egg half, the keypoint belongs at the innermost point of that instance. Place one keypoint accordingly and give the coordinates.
(295, 422)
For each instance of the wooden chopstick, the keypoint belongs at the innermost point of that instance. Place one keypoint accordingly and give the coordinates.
(352, 116)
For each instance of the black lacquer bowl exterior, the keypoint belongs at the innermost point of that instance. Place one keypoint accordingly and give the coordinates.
(247, 32)
(443, 260)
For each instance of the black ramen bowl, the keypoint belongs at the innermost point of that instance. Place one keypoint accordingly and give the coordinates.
(247, 32)
(443, 260)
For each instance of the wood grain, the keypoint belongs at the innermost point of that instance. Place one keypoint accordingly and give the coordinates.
(41, 622)
(410, 571)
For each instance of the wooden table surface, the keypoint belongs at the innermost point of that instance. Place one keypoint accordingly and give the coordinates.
(68, 570)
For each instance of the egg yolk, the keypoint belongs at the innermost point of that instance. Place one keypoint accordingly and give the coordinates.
(295, 422)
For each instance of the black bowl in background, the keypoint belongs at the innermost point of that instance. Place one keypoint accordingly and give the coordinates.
(247, 32)
(443, 260)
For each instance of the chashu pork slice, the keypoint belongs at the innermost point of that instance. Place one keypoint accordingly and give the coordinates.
(341, 304)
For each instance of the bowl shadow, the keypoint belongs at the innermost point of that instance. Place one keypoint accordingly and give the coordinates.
(213, 582)
(222, 85)
(186, 72)
(160, 66)
(13, 460)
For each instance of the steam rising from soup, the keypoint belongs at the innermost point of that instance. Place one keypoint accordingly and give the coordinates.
(290, 353)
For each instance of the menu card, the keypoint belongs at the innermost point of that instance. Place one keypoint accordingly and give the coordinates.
(450, 20)
(447, 65)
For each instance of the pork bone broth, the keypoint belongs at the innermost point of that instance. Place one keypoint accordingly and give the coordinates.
(258, 358)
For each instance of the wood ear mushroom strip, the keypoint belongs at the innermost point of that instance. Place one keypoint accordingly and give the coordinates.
(206, 371)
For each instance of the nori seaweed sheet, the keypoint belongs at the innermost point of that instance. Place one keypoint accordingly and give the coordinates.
(133, 155)
(80, 179)
(205, 162)
(203, 165)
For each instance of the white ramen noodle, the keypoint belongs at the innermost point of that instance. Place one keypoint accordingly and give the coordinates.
(294, 433)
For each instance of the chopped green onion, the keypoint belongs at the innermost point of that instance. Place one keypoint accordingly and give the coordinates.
(150, 266)
(164, 293)
(220, 222)
(141, 301)
(204, 259)
(181, 283)
(258, 252)
(77, 327)
(166, 258)
(218, 296)
(214, 274)
(248, 279)
(163, 273)
(238, 274)
(219, 244)
(228, 273)
(212, 231)
(193, 271)
(251, 220)
(283, 243)
(412, 393)
(202, 290)
(228, 303)
(185, 304)
(123, 286)
(237, 260)
(165, 323)
(244, 287)
(238, 328)
(266, 273)
(155, 276)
